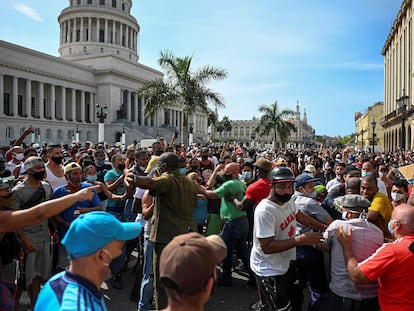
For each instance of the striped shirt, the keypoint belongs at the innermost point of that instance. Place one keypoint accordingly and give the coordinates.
(67, 291)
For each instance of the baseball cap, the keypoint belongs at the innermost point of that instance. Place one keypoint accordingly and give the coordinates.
(310, 168)
(353, 201)
(264, 164)
(302, 179)
(281, 161)
(152, 163)
(319, 188)
(6, 182)
(71, 166)
(33, 162)
(91, 231)
(189, 260)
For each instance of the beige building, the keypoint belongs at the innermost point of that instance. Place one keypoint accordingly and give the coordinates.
(398, 81)
(98, 65)
(368, 127)
(244, 131)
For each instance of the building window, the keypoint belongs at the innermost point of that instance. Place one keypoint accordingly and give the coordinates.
(89, 1)
(49, 134)
(102, 50)
(33, 108)
(101, 35)
(9, 132)
(79, 2)
(7, 108)
(60, 134)
(77, 35)
(20, 105)
(85, 50)
(102, 2)
(123, 6)
(114, 3)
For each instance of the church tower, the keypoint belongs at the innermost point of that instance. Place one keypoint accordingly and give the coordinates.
(93, 28)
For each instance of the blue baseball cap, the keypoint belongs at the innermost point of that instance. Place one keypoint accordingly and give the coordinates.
(91, 231)
(302, 179)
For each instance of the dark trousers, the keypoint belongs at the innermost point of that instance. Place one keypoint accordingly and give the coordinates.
(160, 297)
(330, 301)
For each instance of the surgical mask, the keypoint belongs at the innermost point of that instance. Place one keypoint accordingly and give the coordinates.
(282, 197)
(183, 170)
(39, 175)
(91, 178)
(117, 263)
(100, 162)
(121, 167)
(382, 174)
(395, 196)
(57, 160)
(389, 227)
(246, 175)
(311, 195)
(363, 174)
(344, 214)
(19, 156)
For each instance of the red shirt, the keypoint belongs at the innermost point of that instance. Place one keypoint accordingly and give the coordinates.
(393, 265)
(258, 190)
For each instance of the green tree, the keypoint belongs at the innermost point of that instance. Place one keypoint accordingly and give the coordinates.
(183, 87)
(273, 120)
(227, 125)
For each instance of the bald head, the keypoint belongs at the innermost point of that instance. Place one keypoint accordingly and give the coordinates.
(232, 169)
(405, 214)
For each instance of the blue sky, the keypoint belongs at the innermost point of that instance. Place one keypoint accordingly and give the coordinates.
(324, 54)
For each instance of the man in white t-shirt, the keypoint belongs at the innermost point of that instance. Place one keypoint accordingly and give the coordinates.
(274, 241)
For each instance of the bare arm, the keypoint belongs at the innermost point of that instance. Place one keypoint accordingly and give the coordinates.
(147, 205)
(113, 184)
(270, 245)
(345, 239)
(139, 181)
(13, 220)
(244, 204)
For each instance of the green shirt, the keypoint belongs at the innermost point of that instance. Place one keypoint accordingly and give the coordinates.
(228, 210)
(175, 200)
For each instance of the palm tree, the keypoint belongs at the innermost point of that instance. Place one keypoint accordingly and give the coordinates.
(227, 126)
(183, 87)
(274, 120)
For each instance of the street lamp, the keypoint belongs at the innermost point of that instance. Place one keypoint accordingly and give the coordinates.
(253, 136)
(191, 128)
(373, 124)
(77, 133)
(362, 138)
(101, 113)
(402, 103)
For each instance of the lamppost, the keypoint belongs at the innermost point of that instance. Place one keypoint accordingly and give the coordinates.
(362, 139)
(123, 136)
(77, 133)
(101, 113)
(190, 139)
(373, 124)
(402, 103)
(253, 136)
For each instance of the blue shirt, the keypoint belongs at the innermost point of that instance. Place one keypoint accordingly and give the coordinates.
(67, 214)
(68, 291)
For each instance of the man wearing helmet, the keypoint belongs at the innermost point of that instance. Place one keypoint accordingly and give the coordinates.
(274, 242)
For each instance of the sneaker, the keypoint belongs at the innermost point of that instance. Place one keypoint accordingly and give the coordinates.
(257, 306)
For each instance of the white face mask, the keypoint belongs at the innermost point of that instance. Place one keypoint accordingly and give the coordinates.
(19, 156)
(395, 196)
(344, 213)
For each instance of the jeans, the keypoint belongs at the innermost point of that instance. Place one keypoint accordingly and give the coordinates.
(128, 214)
(147, 283)
(234, 234)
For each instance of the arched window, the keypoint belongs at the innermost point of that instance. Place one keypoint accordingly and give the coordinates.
(49, 134)
(60, 134)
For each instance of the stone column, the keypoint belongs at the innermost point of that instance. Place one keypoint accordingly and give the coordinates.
(127, 36)
(81, 30)
(1, 95)
(113, 31)
(74, 30)
(83, 109)
(41, 100)
(91, 107)
(52, 102)
(120, 33)
(89, 29)
(69, 37)
(136, 108)
(106, 30)
(74, 105)
(63, 103)
(128, 106)
(15, 90)
(97, 30)
(142, 100)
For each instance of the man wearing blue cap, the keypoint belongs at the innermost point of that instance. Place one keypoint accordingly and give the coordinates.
(94, 244)
(309, 260)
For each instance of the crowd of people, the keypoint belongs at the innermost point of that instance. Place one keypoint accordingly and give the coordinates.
(338, 222)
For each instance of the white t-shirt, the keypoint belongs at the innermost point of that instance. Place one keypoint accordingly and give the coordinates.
(273, 220)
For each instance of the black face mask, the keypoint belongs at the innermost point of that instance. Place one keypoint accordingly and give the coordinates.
(39, 175)
(282, 197)
(204, 157)
(57, 160)
(121, 167)
(194, 168)
(159, 152)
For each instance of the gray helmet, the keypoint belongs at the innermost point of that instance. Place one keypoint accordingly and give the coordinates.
(281, 174)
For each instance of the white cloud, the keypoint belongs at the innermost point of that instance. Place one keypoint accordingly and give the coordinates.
(29, 12)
